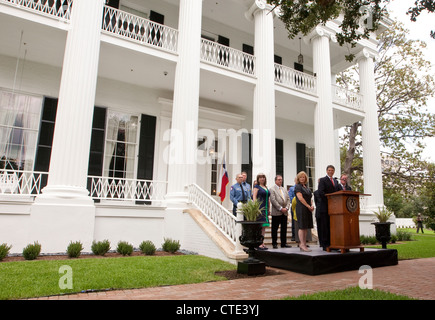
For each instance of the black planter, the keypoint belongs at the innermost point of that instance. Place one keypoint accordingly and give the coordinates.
(251, 238)
(383, 234)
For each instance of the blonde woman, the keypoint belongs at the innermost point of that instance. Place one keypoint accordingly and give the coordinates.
(304, 209)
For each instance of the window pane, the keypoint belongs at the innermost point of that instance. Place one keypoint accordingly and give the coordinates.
(19, 124)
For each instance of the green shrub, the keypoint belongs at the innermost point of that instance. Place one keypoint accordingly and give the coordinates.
(124, 248)
(368, 239)
(147, 247)
(32, 251)
(100, 248)
(4, 250)
(403, 235)
(171, 245)
(74, 249)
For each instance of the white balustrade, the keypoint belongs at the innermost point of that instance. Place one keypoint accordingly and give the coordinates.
(109, 188)
(17, 182)
(214, 211)
(294, 79)
(227, 57)
(139, 29)
(56, 8)
(347, 98)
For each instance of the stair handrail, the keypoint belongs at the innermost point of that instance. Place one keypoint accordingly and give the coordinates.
(223, 219)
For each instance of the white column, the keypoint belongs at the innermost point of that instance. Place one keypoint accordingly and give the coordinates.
(370, 132)
(64, 212)
(263, 134)
(183, 146)
(324, 136)
(72, 135)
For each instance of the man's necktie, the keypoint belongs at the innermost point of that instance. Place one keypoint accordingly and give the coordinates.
(243, 193)
(332, 180)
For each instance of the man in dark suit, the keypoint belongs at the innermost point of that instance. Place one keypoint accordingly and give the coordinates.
(343, 183)
(327, 184)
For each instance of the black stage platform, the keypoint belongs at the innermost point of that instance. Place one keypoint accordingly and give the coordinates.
(321, 262)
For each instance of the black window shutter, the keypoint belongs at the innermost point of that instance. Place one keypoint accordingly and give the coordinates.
(279, 160)
(301, 164)
(145, 163)
(96, 152)
(247, 156)
(46, 133)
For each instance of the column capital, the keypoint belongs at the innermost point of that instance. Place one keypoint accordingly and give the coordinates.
(260, 5)
(320, 31)
(367, 53)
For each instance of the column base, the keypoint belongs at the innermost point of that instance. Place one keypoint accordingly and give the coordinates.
(177, 200)
(64, 195)
(54, 226)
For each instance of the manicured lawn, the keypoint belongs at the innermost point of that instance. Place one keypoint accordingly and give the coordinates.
(421, 246)
(35, 278)
(353, 293)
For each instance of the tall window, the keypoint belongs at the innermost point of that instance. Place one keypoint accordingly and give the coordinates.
(311, 168)
(121, 145)
(19, 124)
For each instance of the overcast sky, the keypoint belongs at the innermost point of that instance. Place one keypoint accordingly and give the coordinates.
(419, 30)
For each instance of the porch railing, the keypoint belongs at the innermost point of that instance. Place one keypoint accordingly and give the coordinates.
(227, 57)
(347, 98)
(17, 182)
(214, 211)
(294, 79)
(139, 29)
(107, 188)
(54, 8)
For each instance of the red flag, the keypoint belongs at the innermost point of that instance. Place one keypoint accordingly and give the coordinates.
(223, 181)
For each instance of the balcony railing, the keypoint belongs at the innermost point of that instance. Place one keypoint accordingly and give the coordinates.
(107, 188)
(138, 29)
(294, 79)
(229, 58)
(53, 8)
(17, 182)
(347, 98)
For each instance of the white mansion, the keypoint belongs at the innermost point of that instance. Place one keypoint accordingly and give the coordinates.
(115, 117)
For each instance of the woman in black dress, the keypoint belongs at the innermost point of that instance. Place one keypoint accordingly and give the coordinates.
(304, 209)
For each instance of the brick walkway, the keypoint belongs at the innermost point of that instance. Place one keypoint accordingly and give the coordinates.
(413, 278)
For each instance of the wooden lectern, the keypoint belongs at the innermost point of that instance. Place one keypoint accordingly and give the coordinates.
(343, 209)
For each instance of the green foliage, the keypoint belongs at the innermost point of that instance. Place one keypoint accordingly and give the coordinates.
(360, 17)
(124, 248)
(403, 235)
(383, 214)
(100, 248)
(4, 250)
(251, 210)
(368, 240)
(32, 251)
(170, 245)
(420, 6)
(74, 249)
(351, 293)
(147, 247)
(405, 82)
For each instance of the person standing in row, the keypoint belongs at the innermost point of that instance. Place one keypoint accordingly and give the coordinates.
(327, 184)
(238, 193)
(304, 209)
(280, 204)
(343, 183)
(262, 194)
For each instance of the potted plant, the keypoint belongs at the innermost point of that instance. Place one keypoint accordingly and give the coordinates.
(251, 237)
(382, 227)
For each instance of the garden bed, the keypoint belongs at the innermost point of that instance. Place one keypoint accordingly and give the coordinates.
(89, 256)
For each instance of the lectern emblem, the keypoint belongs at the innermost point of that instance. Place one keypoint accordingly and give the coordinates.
(352, 204)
